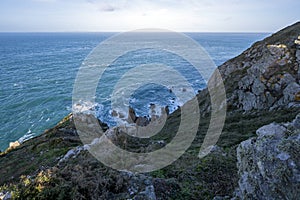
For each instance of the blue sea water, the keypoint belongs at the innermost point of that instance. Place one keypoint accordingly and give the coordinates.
(38, 70)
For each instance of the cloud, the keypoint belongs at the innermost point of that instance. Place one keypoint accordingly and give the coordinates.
(103, 6)
(106, 8)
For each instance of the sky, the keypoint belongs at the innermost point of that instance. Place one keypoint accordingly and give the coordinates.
(126, 15)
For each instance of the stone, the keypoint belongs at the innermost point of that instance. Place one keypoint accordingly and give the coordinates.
(296, 122)
(278, 51)
(5, 195)
(248, 101)
(141, 187)
(297, 42)
(131, 115)
(114, 113)
(245, 83)
(269, 99)
(277, 88)
(271, 130)
(286, 79)
(72, 153)
(258, 87)
(290, 92)
(13, 145)
(269, 165)
(142, 121)
(147, 194)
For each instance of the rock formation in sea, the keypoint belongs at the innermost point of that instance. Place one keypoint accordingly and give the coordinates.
(256, 156)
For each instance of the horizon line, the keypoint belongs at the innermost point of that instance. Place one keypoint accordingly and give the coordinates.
(134, 31)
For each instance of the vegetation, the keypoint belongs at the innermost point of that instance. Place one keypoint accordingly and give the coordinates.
(37, 175)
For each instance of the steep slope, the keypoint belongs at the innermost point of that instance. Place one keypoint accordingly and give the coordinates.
(262, 86)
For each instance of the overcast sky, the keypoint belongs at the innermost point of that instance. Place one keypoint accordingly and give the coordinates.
(124, 15)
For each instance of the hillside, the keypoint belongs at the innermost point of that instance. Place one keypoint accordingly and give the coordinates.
(262, 87)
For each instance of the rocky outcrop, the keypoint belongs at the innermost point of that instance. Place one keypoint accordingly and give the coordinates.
(269, 165)
(266, 76)
(142, 121)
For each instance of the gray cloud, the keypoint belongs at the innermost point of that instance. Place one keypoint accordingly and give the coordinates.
(106, 8)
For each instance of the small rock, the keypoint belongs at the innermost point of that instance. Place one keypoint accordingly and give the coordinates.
(5, 195)
(13, 145)
(114, 113)
(271, 130)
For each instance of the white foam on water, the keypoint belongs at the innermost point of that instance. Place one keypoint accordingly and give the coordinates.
(26, 137)
(84, 107)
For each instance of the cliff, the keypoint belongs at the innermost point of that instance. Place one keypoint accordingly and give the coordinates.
(262, 87)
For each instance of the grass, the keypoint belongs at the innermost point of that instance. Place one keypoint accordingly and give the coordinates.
(187, 178)
(33, 154)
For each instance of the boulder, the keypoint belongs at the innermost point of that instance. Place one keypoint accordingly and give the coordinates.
(13, 145)
(248, 100)
(269, 165)
(258, 87)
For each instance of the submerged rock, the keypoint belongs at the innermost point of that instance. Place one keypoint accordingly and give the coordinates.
(269, 165)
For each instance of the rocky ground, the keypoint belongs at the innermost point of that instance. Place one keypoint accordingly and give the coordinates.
(263, 92)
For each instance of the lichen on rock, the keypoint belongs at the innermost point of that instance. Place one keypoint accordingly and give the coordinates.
(269, 165)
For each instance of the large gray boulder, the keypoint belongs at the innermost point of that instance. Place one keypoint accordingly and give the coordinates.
(269, 165)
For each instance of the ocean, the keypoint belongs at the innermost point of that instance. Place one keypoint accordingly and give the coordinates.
(38, 70)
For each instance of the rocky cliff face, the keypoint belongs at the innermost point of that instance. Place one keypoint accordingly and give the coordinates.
(266, 76)
(269, 165)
